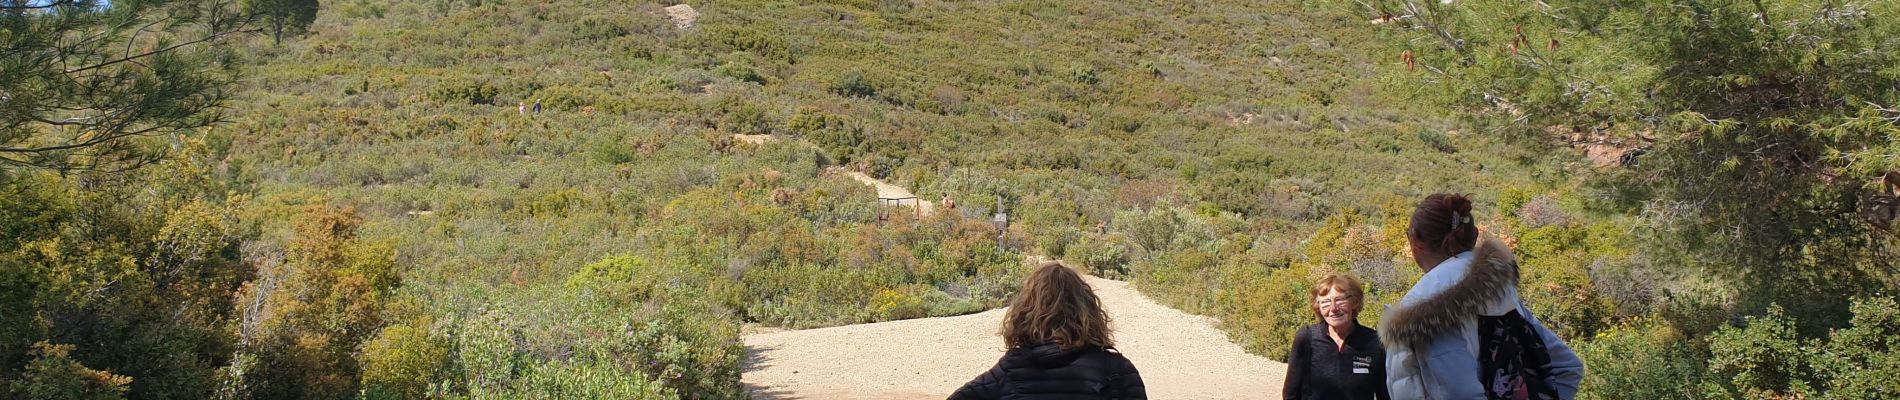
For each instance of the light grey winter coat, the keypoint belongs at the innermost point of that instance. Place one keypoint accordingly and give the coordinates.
(1431, 337)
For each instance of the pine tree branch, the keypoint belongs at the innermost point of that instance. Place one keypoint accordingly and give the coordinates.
(51, 4)
(208, 38)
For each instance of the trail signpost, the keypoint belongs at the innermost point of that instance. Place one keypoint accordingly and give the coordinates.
(1002, 224)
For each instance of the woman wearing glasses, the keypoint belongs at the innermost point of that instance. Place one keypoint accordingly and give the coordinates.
(1336, 358)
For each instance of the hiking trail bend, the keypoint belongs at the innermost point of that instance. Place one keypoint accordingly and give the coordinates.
(1179, 355)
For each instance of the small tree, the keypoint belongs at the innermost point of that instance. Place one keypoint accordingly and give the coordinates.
(79, 79)
(315, 309)
(283, 16)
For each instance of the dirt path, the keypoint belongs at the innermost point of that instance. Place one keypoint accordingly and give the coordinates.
(885, 190)
(1180, 356)
(889, 191)
(755, 139)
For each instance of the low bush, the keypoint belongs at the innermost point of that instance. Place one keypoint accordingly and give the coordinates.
(402, 361)
(465, 91)
(1643, 359)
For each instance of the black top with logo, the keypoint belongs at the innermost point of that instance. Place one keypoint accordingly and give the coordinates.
(1319, 369)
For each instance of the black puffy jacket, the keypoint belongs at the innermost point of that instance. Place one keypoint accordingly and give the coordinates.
(1045, 372)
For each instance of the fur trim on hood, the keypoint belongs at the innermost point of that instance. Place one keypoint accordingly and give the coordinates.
(1493, 269)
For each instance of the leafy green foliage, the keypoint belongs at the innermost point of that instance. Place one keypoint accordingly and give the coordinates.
(401, 362)
(1764, 358)
(130, 279)
(1267, 309)
(91, 86)
(475, 93)
(52, 375)
(1859, 362)
(1758, 132)
(601, 341)
(1644, 359)
(414, 236)
(315, 308)
(495, 369)
(1753, 166)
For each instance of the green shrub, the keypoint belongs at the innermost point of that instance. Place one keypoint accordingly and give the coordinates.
(1056, 241)
(572, 98)
(742, 118)
(460, 91)
(1644, 360)
(686, 349)
(580, 380)
(494, 366)
(657, 84)
(51, 375)
(330, 296)
(632, 276)
(852, 83)
(1239, 191)
(485, 354)
(427, 126)
(610, 152)
(1436, 141)
(134, 269)
(1763, 358)
(751, 39)
(740, 71)
(1861, 361)
(1083, 73)
(598, 27)
(1107, 256)
(401, 362)
(891, 304)
(1556, 280)
(573, 343)
(1266, 307)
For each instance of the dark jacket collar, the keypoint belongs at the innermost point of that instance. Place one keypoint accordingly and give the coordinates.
(1321, 331)
(1050, 354)
(1360, 337)
(1493, 269)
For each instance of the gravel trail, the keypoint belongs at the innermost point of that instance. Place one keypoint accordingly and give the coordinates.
(1180, 356)
(889, 191)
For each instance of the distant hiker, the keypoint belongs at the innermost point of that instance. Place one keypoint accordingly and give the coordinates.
(537, 106)
(947, 204)
(1059, 346)
(521, 107)
(1462, 332)
(1337, 358)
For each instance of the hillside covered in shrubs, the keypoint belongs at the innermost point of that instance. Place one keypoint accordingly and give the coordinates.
(536, 199)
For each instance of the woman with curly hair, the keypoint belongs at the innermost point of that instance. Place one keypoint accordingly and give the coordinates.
(1059, 345)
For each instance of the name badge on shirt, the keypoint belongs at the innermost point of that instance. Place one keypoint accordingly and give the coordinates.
(1362, 364)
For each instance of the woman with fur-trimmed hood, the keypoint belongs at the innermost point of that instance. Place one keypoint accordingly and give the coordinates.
(1462, 332)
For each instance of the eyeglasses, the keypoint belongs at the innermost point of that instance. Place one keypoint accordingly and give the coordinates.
(1330, 303)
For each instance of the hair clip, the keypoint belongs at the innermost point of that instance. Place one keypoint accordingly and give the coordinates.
(1455, 219)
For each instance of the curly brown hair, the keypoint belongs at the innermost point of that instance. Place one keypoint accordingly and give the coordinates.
(1056, 306)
